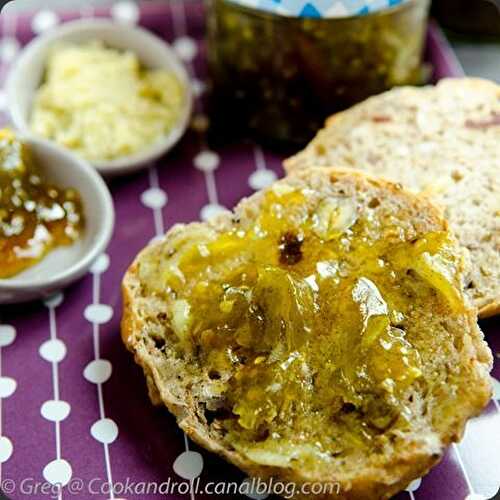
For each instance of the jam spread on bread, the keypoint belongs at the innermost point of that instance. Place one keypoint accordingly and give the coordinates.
(35, 216)
(301, 320)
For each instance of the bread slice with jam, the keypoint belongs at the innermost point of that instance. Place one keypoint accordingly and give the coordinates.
(440, 140)
(317, 334)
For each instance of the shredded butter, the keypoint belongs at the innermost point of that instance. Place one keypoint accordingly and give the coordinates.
(101, 103)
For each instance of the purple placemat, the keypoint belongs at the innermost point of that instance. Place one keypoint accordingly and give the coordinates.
(73, 406)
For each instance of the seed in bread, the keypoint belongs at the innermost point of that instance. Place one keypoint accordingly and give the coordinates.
(317, 334)
(441, 140)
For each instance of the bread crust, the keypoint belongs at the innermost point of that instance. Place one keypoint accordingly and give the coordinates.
(376, 483)
(489, 310)
(465, 219)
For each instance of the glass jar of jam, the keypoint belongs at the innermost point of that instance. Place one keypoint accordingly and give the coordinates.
(279, 76)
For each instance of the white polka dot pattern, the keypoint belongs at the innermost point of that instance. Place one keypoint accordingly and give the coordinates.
(44, 20)
(211, 210)
(206, 161)
(185, 47)
(7, 335)
(98, 313)
(154, 198)
(414, 485)
(58, 472)
(55, 410)
(3, 100)
(198, 87)
(156, 238)
(98, 371)
(6, 449)
(496, 388)
(7, 387)
(125, 12)
(104, 430)
(188, 465)
(100, 265)
(54, 300)
(9, 47)
(53, 350)
(261, 179)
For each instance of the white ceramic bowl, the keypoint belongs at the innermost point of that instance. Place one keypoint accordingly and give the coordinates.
(27, 73)
(65, 264)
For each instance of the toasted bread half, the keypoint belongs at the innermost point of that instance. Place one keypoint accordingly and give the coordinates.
(317, 334)
(442, 140)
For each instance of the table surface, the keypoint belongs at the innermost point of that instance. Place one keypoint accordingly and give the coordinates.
(73, 406)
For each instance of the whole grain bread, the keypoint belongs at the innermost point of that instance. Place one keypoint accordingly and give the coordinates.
(455, 384)
(442, 140)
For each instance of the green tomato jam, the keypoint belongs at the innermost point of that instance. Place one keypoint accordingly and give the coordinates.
(279, 77)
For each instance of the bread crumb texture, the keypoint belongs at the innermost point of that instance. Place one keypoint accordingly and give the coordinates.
(440, 140)
(318, 333)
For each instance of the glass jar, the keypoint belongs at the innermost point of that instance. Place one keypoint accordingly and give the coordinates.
(279, 77)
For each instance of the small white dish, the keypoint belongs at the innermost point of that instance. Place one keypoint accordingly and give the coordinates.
(27, 73)
(65, 264)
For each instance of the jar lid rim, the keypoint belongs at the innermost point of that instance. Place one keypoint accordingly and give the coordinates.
(320, 9)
